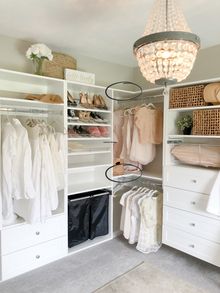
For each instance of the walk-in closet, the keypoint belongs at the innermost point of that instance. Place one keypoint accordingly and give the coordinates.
(109, 146)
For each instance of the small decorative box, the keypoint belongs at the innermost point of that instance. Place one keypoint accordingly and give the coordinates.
(79, 76)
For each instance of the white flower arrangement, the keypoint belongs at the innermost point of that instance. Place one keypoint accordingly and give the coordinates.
(39, 51)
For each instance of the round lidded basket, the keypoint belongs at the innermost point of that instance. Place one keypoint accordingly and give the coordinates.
(56, 67)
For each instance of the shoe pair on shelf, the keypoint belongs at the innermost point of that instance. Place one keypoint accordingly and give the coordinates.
(71, 100)
(72, 115)
(98, 118)
(90, 131)
(85, 100)
(99, 102)
(98, 131)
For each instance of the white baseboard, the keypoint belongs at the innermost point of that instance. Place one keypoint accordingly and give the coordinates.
(117, 233)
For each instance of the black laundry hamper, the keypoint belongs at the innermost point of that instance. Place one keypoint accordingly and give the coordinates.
(88, 216)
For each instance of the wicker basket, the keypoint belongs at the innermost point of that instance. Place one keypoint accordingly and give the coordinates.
(190, 96)
(55, 68)
(206, 122)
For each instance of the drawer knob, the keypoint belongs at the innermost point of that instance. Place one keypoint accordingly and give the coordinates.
(37, 256)
(192, 245)
(193, 202)
(37, 233)
(192, 224)
(194, 180)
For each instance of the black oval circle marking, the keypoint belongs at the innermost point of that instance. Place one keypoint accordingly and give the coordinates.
(123, 164)
(123, 82)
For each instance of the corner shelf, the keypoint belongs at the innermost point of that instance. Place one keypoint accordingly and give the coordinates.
(179, 136)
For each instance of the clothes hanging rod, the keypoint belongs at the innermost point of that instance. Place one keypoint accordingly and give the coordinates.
(96, 195)
(9, 110)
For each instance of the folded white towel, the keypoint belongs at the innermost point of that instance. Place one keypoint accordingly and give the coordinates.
(213, 206)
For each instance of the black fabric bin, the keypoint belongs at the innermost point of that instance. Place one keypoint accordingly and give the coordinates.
(87, 216)
(78, 221)
(99, 215)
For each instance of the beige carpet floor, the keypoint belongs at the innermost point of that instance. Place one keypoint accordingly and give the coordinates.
(146, 278)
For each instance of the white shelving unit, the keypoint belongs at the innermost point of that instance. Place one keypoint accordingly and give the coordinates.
(91, 157)
(187, 226)
(32, 245)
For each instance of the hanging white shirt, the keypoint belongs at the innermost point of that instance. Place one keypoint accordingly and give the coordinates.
(127, 221)
(8, 153)
(22, 164)
(149, 239)
(136, 217)
(122, 203)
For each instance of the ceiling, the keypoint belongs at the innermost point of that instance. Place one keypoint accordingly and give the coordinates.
(102, 29)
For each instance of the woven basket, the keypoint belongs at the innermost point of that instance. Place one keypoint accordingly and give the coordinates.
(55, 68)
(206, 122)
(190, 96)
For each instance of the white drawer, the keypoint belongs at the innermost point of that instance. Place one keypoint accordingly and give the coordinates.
(23, 236)
(196, 246)
(197, 225)
(28, 259)
(190, 178)
(186, 200)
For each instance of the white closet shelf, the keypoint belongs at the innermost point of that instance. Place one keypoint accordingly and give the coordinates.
(88, 138)
(195, 108)
(90, 186)
(92, 152)
(28, 104)
(89, 243)
(73, 167)
(17, 76)
(152, 175)
(174, 136)
(89, 109)
(20, 221)
(86, 165)
(145, 174)
(88, 124)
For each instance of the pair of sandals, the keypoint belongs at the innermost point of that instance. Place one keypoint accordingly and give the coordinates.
(80, 131)
(97, 101)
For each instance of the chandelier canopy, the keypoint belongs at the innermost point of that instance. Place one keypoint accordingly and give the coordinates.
(167, 51)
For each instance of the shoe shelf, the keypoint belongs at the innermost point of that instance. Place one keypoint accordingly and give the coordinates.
(88, 109)
(88, 124)
(84, 165)
(88, 138)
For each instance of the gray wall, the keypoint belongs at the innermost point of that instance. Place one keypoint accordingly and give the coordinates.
(12, 56)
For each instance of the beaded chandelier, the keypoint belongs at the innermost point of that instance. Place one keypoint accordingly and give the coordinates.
(167, 51)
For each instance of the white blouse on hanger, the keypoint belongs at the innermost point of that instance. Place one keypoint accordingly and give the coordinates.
(149, 239)
(22, 164)
(7, 156)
